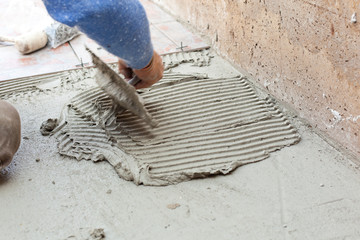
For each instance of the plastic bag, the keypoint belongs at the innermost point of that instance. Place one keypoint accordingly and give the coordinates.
(59, 34)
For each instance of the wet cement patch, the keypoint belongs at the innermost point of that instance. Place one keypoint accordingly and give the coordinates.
(207, 126)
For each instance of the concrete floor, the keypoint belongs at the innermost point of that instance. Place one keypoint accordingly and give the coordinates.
(306, 191)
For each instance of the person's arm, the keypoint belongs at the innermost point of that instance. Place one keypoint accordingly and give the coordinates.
(120, 26)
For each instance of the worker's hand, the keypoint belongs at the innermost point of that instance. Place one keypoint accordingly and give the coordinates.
(149, 75)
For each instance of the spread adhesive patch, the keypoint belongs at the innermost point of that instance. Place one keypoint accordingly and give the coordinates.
(206, 127)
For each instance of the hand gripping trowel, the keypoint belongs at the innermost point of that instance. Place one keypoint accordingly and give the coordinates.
(123, 93)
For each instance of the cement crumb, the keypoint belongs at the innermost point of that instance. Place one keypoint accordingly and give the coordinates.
(173, 206)
(97, 234)
(48, 125)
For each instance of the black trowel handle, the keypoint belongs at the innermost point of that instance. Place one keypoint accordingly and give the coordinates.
(134, 81)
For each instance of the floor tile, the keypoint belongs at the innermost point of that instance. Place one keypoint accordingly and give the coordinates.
(155, 14)
(181, 36)
(162, 44)
(78, 45)
(14, 65)
(20, 16)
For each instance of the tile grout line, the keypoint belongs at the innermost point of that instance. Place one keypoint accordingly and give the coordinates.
(77, 56)
(162, 22)
(172, 40)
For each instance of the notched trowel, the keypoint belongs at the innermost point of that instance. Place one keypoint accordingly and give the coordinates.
(122, 92)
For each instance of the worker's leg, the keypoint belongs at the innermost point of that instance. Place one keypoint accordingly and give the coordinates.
(10, 133)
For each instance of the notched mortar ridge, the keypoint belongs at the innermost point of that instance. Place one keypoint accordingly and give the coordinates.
(144, 170)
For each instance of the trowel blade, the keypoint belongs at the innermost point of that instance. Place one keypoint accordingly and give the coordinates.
(122, 92)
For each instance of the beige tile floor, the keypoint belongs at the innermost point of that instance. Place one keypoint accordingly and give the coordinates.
(21, 16)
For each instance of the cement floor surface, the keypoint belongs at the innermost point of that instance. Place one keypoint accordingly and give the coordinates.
(305, 191)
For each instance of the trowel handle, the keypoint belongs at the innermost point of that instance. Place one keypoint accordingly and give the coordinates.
(134, 81)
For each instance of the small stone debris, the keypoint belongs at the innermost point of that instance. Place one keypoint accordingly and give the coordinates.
(97, 234)
(173, 206)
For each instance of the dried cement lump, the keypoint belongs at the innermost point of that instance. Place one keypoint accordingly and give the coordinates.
(206, 127)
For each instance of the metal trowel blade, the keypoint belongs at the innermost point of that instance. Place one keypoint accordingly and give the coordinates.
(122, 92)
